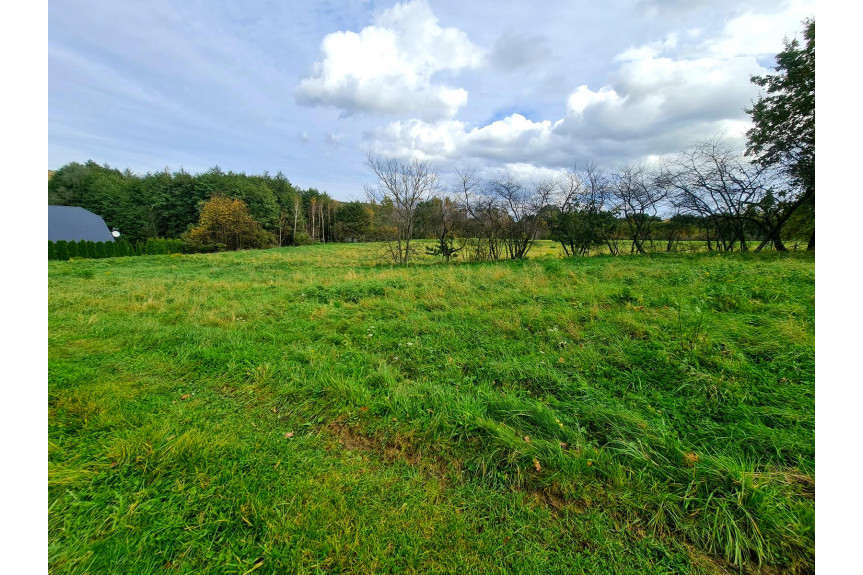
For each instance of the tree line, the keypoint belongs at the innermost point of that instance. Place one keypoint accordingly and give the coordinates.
(709, 192)
(168, 204)
(730, 199)
(210, 211)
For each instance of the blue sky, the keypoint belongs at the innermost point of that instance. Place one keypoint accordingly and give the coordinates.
(309, 88)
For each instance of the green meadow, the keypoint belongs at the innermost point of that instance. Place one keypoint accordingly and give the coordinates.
(313, 410)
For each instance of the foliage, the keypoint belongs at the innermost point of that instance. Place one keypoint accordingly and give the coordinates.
(783, 134)
(52, 251)
(62, 250)
(353, 221)
(580, 231)
(123, 248)
(228, 221)
(166, 204)
(156, 246)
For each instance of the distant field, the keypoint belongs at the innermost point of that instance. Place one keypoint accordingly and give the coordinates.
(310, 410)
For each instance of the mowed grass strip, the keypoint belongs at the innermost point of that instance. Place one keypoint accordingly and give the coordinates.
(312, 410)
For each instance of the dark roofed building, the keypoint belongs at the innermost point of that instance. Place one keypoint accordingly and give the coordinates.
(74, 224)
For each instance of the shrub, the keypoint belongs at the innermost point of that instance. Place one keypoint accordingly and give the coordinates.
(91, 250)
(62, 250)
(82, 249)
(303, 239)
(193, 247)
(52, 251)
(139, 250)
(100, 250)
(154, 247)
(158, 246)
(110, 249)
(73, 249)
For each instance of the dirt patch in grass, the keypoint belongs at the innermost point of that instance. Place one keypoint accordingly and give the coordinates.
(350, 439)
(400, 448)
(713, 565)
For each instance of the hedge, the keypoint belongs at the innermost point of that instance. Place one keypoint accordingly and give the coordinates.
(63, 250)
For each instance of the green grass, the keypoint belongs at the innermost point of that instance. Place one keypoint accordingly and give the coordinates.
(649, 414)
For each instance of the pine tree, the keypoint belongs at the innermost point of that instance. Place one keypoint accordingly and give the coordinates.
(91, 250)
(138, 250)
(73, 249)
(109, 250)
(52, 251)
(83, 252)
(100, 250)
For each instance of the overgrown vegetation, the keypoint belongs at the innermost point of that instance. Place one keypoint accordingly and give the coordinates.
(310, 410)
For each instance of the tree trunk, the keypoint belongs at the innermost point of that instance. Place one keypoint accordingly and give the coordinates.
(777, 243)
(296, 215)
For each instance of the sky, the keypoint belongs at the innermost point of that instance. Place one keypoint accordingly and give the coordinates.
(310, 88)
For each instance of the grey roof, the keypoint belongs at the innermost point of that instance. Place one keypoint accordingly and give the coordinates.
(72, 223)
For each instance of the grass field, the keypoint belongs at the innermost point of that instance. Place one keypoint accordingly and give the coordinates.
(309, 410)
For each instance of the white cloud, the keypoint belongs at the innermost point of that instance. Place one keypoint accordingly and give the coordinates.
(760, 34)
(662, 97)
(389, 67)
(512, 140)
(650, 50)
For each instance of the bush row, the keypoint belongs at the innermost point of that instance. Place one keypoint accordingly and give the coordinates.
(64, 250)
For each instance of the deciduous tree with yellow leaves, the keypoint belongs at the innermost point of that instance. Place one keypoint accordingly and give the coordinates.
(226, 223)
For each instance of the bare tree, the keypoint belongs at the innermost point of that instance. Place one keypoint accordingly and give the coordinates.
(401, 187)
(508, 211)
(487, 219)
(713, 181)
(586, 211)
(521, 204)
(445, 220)
(640, 195)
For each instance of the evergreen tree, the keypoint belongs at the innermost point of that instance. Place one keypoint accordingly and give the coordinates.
(83, 252)
(783, 135)
(62, 250)
(72, 247)
(91, 250)
(100, 250)
(110, 252)
(138, 250)
(52, 251)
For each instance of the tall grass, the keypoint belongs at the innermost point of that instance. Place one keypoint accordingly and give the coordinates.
(313, 410)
